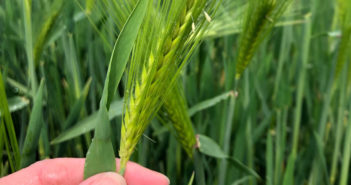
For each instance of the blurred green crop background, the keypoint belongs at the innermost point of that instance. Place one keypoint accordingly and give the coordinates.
(292, 106)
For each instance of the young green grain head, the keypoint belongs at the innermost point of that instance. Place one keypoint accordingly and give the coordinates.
(260, 18)
(47, 27)
(161, 49)
(175, 111)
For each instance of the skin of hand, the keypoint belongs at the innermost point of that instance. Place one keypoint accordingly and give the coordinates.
(69, 171)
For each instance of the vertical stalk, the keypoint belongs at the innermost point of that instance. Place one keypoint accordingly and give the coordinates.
(29, 45)
(289, 174)
(228, 109)
(347, 150)
(339, 130)
(226, 143)
(199, 169)
(269, 158)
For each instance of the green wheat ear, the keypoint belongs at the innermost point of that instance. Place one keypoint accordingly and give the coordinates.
(155, 64)
(261, 17)
(175, 111)
(45, 30)
(181, 121)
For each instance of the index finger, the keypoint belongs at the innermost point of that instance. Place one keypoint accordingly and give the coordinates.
(69, 171)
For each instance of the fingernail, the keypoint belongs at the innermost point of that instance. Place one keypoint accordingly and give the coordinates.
(107, 178)
(115, 177)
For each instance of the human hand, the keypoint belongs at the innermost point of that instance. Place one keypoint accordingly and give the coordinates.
(69, 171)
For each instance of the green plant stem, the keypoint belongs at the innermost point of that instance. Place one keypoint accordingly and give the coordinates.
(339, 130)
(226, 142)
(199, 169)
(289, 174)
(8, 129)
(347, 150)
(29, 45)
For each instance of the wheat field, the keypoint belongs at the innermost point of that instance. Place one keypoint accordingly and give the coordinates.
(237, 92)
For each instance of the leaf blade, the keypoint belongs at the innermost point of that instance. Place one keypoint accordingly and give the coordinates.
(121, 51)
(87, 124)
(209, 103)
(100, 156)
(34, 127)
(209, 147)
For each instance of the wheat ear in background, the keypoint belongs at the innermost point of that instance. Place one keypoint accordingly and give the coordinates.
(261, 17)
(175, 111)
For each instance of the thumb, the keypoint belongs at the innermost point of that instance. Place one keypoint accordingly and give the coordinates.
(107, 178)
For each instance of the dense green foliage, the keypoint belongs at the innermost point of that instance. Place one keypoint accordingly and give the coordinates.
(286, 120)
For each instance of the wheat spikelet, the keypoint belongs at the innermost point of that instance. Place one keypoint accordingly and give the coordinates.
(174, 102)
(174, 110)
(45, 30)
(261, 16)
(253, 28)
(149, 81)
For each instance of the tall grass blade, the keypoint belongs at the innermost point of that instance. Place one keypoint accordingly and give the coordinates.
(289, 173)
(121, 51)
(345, 168)
(269, 159)
(33, 131)
(8, 130)
(74, 77)
(209, 147)
(210, 102)
(191, 179)
(5, 141)
(339, 129)
(321, 158)
(77, 107)
(199, 168)
(87, 124)
(344, 15)
(27, 12)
